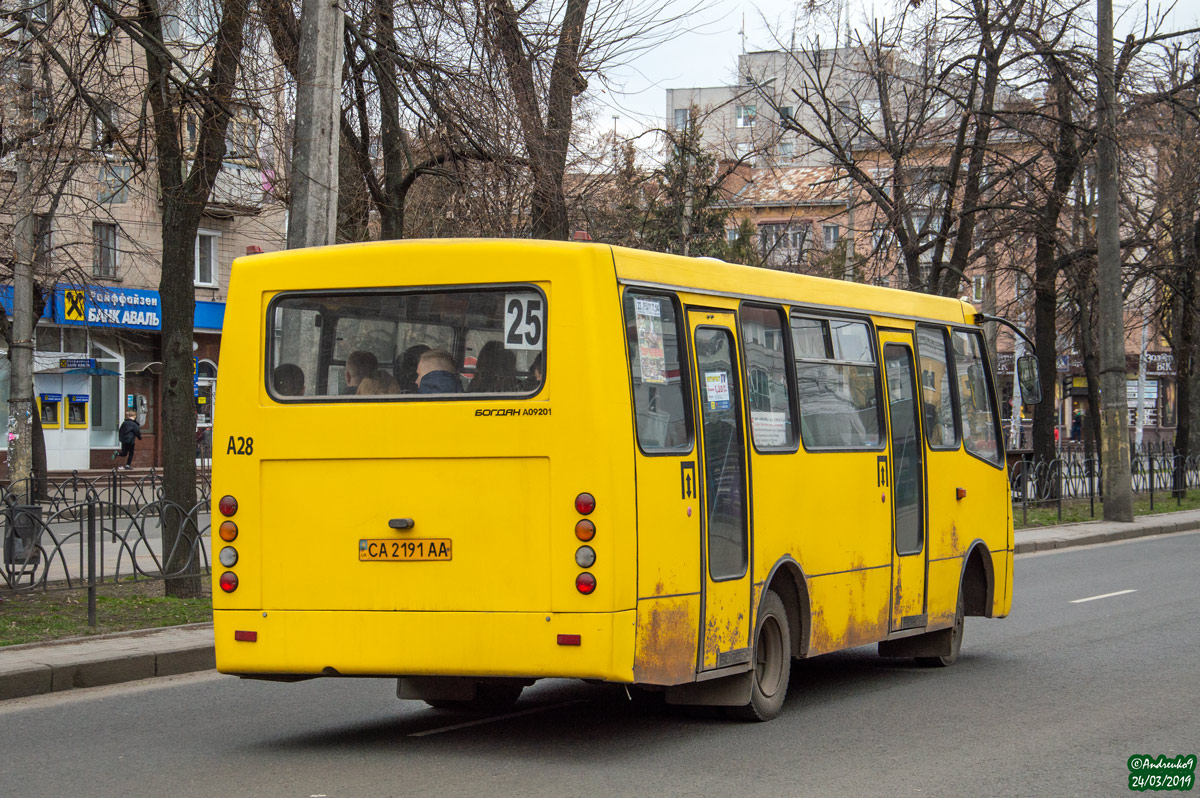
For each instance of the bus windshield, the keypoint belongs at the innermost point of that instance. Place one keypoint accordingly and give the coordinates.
(406, 344)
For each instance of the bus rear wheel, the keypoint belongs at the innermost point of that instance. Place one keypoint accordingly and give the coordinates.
(956, 638)
(772, 662)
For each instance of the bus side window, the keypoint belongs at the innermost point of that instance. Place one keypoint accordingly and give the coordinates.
(937, 405)
(659, 392)
(979, 430)
(837, 384)
(767, 385)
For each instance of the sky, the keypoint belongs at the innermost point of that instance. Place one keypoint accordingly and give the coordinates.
(703, 52)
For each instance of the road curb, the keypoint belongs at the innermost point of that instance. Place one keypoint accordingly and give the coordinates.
(1113, 532)
(34, 669)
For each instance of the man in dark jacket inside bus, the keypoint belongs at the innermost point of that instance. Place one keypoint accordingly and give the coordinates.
(435, 373)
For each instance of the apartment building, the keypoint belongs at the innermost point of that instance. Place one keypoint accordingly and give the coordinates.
(91, 178)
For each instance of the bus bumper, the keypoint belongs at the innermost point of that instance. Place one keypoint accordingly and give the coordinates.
(388, 644)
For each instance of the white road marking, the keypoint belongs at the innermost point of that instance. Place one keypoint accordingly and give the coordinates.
(1106, 595)
(495, 718)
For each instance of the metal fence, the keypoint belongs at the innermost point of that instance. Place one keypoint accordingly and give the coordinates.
(1074, 476)
(83, 533)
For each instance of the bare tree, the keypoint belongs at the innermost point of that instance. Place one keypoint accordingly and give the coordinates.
(184, 83)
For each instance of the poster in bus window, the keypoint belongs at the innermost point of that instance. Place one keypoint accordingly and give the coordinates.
(770, 427)
(716, 390)
(653, 362)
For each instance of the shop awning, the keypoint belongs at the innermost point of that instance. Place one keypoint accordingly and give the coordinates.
(152, 366)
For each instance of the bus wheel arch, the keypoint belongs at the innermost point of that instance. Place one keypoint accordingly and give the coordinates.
(977, 584)
(787, 581)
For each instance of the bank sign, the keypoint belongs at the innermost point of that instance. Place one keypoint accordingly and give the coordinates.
(127, 308)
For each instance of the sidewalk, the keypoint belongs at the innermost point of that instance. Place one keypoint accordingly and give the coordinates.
(92, 662)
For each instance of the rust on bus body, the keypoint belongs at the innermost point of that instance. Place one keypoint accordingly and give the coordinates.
(666, 641)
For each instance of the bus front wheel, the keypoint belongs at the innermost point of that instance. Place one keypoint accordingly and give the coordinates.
(772, 662)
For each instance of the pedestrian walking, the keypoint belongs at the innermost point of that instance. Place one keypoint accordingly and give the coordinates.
(130, 431)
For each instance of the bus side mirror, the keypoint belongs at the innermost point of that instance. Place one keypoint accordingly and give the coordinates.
(1027, 376)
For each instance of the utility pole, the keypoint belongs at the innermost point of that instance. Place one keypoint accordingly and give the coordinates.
(1114, 412)
(312, 216)
(20, 403)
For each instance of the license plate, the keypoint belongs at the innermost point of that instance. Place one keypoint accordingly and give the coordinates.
(410, 550)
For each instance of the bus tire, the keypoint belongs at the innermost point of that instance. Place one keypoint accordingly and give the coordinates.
(772, 662)
(956, 639)
(488, 696)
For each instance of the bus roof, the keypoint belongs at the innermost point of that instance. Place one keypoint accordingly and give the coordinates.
(375, 264)
(708, 275)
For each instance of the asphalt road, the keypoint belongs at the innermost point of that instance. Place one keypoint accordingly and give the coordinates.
(1052, 701)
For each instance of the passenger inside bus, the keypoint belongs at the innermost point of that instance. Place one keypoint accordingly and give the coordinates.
(378, 383)
(405, 367)
(534, 380)
(359, 365)
(436, 373)
(288, 380)
(495, 370)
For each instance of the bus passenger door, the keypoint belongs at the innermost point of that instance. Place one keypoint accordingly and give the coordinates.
(725, 622)
(909, 551)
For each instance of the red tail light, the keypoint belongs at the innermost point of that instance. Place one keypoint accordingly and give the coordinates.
(585, 503)
(245, 636)
(585, 583)
(229, 581)
(227, 506)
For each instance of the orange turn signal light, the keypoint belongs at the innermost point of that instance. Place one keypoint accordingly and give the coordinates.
(585, 530)
(228, 531)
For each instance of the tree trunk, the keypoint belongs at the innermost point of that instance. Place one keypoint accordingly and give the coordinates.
(1114, 410)
(1045, 326)
(545, 139)
(179, 405)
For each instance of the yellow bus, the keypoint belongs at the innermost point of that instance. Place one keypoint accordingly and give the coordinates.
(473, 464)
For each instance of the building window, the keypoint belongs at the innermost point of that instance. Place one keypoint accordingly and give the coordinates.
(746, 115)
(977, 288)
(832, 233)
(99, 21)
(40, 12)
(206, 259)
(742, 149)
(681, 118)
(787, 149)
(104, 253)
(731, 235)
(241, 138)
(114, 183)
(785, 113)
(102, 136)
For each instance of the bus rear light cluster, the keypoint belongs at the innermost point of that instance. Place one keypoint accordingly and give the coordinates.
(585, 530)
(585, 556)
(228, 532)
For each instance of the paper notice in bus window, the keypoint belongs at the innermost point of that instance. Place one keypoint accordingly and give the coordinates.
(653, 363)
(716, 390)
(770, 427)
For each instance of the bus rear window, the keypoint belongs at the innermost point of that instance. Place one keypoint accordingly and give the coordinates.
(406, 344)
